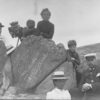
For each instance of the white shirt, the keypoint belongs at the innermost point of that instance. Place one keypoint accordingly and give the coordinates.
(58, 94)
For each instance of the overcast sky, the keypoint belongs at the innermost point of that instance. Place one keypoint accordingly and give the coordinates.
(73, 19)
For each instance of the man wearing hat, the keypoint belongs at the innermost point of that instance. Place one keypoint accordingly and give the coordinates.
(58, 92)
(90, 83)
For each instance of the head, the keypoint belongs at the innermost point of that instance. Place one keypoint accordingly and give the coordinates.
(90, 59)
(30, 23)
(1, 26)
(45, 14)
(59, 79)
(72, 45)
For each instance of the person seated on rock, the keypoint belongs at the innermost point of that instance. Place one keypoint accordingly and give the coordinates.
(73, 56)
(30, 28)
(45, 27)
(90, 83)
(58, 92)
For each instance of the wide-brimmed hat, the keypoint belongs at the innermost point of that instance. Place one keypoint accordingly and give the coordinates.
(58, 75)
(1, 25)
(90, 56)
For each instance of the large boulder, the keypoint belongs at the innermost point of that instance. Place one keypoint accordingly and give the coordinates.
(34, 60)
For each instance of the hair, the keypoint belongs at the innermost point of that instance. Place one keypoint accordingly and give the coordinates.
(72, 43)
(45, 9)
(30, 22)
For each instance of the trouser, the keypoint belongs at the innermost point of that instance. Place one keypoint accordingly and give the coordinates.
(78, 78)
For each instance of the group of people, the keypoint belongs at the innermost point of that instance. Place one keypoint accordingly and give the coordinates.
(88, 86)
(45, 28)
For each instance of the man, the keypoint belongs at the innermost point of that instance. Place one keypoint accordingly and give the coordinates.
(72, 56)
(58, 92)
(90, 83)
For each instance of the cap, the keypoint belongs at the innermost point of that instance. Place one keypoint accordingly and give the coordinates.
(1, 25)
(90, 56)
(59, 75)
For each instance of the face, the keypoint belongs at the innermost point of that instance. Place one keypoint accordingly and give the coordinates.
(72, 48)
(59, 83)
(45, 15)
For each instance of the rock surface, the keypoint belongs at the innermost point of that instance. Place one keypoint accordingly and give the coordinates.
(34, 60)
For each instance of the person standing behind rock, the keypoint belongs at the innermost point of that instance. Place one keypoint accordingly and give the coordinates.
(72, 56)
(45, 27)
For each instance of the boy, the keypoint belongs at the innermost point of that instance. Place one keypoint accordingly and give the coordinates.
(45, 27)
(72, 56)
(58, 92)
(30, 28)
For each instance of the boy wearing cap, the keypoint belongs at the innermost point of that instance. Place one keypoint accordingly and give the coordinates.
(45, 27)
(58, 92)
(90, 83)
(72, 56)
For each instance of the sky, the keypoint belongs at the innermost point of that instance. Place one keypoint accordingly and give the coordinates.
(73, 19)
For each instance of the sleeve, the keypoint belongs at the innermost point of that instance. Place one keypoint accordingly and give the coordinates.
(51, 32)
(96, 85)
(77, 60)
(82, 81)
(68, 56)
(38, 28)
(68, 96)
(48, 96)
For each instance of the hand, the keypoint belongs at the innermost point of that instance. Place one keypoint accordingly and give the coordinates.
(86, 87)
(98, 75)
(72, 58)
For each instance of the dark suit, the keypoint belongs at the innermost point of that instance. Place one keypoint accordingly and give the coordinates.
(89, 76)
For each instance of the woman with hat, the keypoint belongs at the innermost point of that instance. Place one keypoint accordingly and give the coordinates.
(58, 92)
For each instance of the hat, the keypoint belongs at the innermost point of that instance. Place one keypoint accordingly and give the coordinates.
(90, 56)
(1, 25)
(59, 75)
(14, 23)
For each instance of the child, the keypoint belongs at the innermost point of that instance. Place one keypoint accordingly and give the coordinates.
(45, 27)
(30, 28)
(58, 92)
(72, 56)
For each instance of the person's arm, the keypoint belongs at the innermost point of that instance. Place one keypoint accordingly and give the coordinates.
(68, 56)
(38, 29)
(77, 60)
(50, 34)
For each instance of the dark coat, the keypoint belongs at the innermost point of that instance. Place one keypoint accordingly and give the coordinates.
(89, 76)
(75, 63)
(46, 29)
(75, 55)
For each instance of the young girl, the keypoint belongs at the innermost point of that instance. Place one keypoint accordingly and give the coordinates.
(45, 27)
